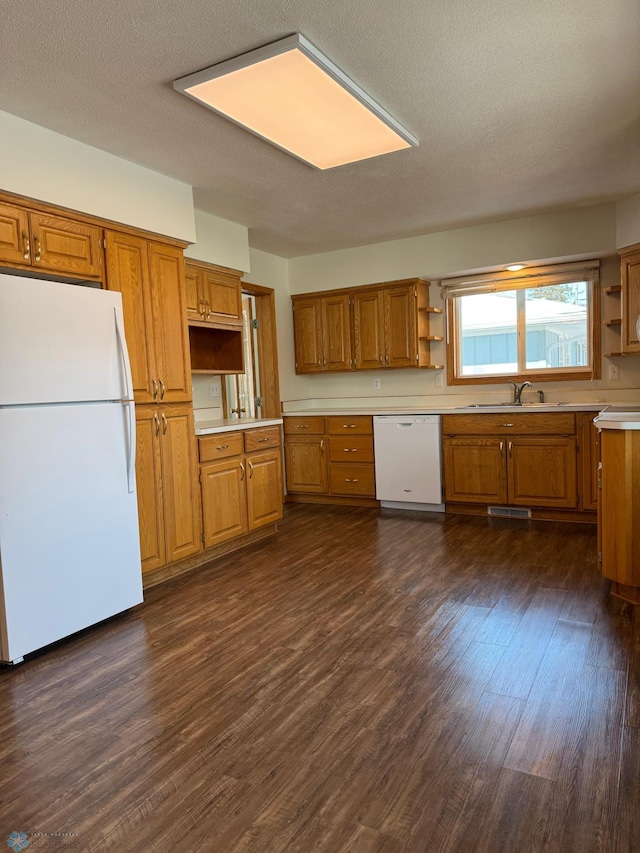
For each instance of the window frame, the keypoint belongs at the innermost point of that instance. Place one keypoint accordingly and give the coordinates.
(550, 374)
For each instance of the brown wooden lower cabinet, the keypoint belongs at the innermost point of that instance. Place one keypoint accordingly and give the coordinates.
(333, 456)
(168, 495)
(241, 492)
(619, 533)
(521, 466)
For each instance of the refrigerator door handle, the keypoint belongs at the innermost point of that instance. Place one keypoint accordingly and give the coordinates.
(124, 355)
(127, 401)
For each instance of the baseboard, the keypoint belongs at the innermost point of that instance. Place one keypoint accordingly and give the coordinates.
(537, 513)
(198, 561)
(331, 499)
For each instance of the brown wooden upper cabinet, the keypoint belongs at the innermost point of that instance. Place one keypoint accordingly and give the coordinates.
(630, 281)
(322, 333)
(213, 295)
(36, 240)
(384, 326)
(150, 277)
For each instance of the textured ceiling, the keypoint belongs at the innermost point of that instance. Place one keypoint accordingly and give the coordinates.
(519, 107)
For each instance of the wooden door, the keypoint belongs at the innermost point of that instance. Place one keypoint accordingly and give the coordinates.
(630, 279)
(475, 470)
(65, 246)
(222, 298)
(307, 333)
(336, 332)
(400, 330)
(149, 487)
(128, 273)
(264, 488)
(15, 244)
(589, 439)
(170, 335)
(306, 462)
(368, 329)
(180, 482)
(192, 291)
(224, 505)
(542, 471)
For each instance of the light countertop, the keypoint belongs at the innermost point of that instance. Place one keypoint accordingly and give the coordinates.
(619, 417)
(233, 424)
(448, 410)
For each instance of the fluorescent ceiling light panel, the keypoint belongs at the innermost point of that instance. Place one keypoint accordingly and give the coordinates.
(292, 96)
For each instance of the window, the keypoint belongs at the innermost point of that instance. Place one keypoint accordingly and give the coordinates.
(242, 390)
(543, 325)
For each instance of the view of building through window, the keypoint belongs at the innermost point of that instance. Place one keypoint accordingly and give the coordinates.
(552, 322)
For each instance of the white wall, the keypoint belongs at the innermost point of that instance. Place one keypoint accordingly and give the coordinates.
(221, 242)
(582, 232)
(628, 221)
(47, 166)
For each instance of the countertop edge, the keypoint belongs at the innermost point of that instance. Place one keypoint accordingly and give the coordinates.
(237, 425)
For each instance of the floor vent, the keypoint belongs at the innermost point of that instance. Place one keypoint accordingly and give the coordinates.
(509, 512)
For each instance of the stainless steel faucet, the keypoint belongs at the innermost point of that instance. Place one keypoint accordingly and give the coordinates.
(517, 391)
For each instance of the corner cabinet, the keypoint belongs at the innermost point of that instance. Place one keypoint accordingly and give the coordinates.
(150, 277)
(374, 327)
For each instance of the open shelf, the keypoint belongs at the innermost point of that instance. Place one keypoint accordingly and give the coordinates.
(429, 309)
(216, 350)
(613, 288)
(613, 355)
(431, 338)
(615, 322)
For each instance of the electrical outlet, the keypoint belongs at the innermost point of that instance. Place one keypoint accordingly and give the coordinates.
(439, 380)
(214, 389)
(376, 383)
(614, 372)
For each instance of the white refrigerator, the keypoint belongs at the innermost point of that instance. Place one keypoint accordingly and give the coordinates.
(69, 542)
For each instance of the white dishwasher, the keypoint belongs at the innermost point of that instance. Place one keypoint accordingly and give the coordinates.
(408, 461)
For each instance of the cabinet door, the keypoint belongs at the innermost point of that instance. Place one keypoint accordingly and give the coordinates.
(401, 346)
(170, 335)
(307, 333)
(149, 487)
(336, 332)
(15, 246)
(589, 459)
(542, 471)
(192, 291)
(224, 506)
(630, 278)
(368, 329)
(128, 273)
(475, 470)
(306, 461)
(264, 488)
(222, 297)
(180, 482)
(65, 246)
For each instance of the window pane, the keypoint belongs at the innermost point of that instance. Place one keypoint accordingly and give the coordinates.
(557, 326)
(488, 333)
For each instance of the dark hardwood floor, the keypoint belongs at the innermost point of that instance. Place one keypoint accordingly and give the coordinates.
(366, 681)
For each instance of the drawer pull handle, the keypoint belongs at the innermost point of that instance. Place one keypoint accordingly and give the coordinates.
(26, 251)
(510, 449)
(351, 450)
(264, 439)
(250, 470)
(221, 446)
(36, 240)
(303, 426)
(508, 425)
(241, 472)
(322, 446)
(349, 426)
(347, 480)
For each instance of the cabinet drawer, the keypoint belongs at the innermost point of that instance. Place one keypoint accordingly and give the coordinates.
(261, 439)
(357, 479)
(350, 425)
(220, 446)
(351, 448)
(304, 426)
(543, 423)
